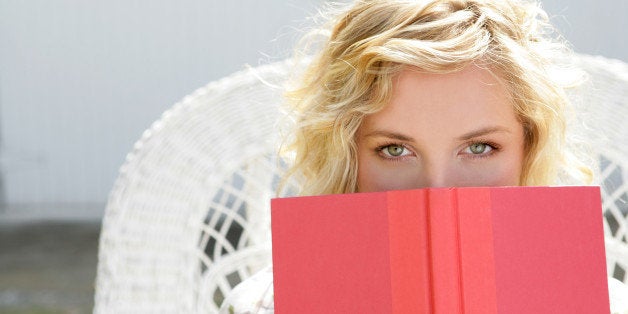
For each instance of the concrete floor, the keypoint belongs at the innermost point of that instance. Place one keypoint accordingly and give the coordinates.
(48, 267)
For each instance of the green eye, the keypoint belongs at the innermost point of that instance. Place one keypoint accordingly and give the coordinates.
(478, 148)
(395, 150)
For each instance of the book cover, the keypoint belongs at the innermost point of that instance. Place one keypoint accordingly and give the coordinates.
(445, 250)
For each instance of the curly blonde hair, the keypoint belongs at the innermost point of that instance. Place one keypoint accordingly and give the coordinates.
(366, 45)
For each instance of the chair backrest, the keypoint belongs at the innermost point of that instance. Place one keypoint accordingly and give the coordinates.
(188, 217)
(604, 99)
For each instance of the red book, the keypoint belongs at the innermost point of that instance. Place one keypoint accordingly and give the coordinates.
(456, 250)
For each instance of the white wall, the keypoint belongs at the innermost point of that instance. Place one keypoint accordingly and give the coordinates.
(593, 27)
(80, 80)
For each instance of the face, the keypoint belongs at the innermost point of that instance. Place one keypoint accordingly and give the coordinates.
(441, 130)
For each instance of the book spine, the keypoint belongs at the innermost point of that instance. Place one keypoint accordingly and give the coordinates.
(444, 241)
(410, 262)
(477, 261)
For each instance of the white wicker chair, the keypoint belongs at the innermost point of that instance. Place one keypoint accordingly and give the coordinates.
(188, 217)
(605, 99)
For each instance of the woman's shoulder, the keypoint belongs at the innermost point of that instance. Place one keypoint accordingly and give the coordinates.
(253, 295)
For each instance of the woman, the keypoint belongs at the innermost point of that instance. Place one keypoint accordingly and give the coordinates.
(412, 94)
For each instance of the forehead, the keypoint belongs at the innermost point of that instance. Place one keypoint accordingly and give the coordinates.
(446, 103)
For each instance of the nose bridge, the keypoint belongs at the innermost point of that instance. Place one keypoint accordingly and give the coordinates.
(437, 173)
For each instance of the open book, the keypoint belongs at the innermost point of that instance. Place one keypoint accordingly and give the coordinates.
(452, 250)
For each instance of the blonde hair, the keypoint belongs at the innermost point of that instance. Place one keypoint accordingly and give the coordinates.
(367, 44)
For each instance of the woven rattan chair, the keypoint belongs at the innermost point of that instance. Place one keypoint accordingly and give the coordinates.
(605, 99)
(188, 217)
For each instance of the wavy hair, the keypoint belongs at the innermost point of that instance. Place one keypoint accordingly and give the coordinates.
(366, 45)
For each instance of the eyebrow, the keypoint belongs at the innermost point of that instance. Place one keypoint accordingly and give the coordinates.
(483, 131)
(464, 137)
(392, 135)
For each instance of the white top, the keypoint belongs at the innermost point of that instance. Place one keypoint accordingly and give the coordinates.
(255, 296)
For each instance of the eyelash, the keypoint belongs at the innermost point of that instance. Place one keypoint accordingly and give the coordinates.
(380, 151)
(494, 149)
